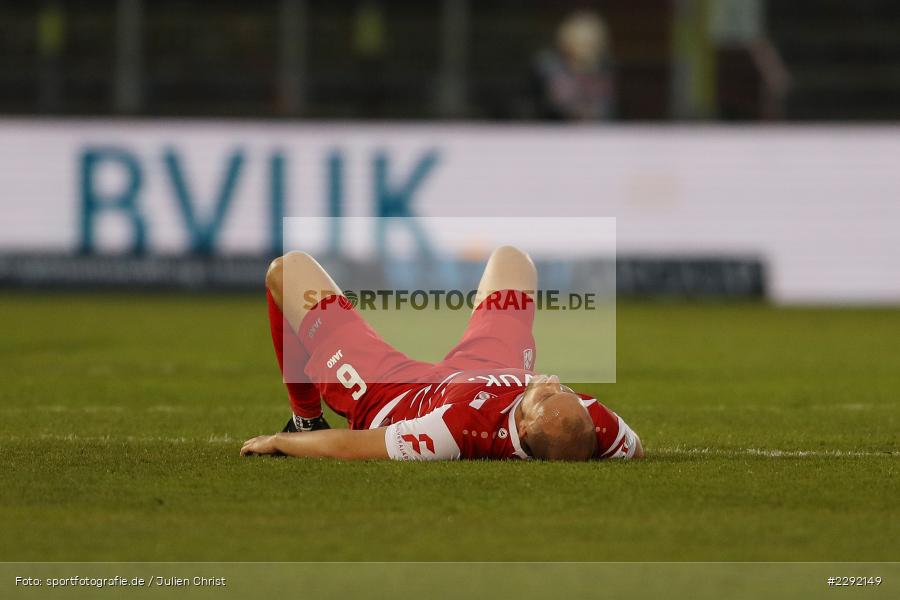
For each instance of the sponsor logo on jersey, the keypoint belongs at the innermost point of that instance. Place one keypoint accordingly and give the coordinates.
(417, 441)
(480, 399)
(314, 328)
(528, 358)
(501, 380)
(334, 358)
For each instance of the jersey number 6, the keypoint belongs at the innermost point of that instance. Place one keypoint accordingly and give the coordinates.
(350, 378)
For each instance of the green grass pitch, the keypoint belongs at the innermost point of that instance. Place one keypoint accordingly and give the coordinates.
(772, 435)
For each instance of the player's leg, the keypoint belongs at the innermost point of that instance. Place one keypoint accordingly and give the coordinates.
(508, 268)
(300, 279)
(499, 332)
(343, 357)
(292, 357)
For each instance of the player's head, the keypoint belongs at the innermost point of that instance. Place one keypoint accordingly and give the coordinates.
(554, 424)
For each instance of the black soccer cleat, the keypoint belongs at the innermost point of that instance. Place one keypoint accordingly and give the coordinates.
(297, 424)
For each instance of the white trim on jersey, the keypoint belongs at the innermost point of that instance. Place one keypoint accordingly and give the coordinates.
(385, 410)
(446, 379)
(618, 439)
(616, 449)
(420, 396)
(513, 403)
(513, 431)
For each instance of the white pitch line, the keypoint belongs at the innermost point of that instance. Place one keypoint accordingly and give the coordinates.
(189, 408)
(765, 452)
(71, 437)
(156, 408)
(58, 408)
(651, 452)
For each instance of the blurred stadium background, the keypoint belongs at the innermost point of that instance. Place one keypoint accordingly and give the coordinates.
(748, 149)
(668, 59)
(147, 140)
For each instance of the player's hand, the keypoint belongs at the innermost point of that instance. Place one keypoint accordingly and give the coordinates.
(542, 386)
(261, 444)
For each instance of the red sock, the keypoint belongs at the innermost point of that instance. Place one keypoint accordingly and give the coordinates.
(292, 358)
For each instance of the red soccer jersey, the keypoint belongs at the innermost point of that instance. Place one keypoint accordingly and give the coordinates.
(471, 414)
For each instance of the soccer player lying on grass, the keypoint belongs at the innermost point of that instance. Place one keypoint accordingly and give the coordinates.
(483, 401)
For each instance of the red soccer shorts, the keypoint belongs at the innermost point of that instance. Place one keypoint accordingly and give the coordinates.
(357, 371)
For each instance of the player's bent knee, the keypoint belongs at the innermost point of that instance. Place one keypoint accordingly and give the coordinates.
(296, 262)
(511, 253)
(508, 251)
(275, 276)
(510, 257)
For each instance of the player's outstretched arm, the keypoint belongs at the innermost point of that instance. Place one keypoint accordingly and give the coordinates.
(347, 444)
